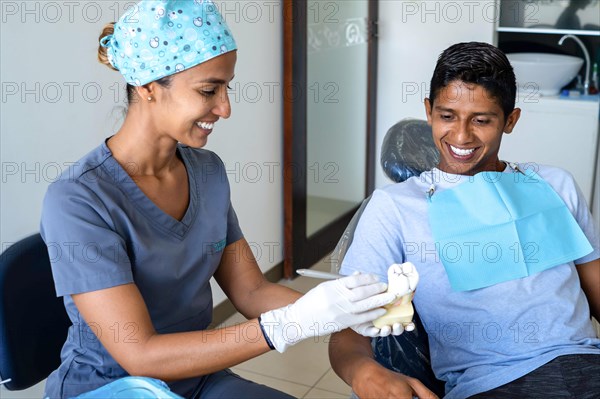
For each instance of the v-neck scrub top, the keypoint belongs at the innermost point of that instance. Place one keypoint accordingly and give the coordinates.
(103, 231)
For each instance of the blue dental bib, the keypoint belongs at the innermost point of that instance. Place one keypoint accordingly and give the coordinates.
(498, 227)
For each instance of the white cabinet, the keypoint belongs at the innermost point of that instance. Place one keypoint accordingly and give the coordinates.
(559, 132)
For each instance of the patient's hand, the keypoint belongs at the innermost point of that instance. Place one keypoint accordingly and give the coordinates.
(375, 381)
(402, 282)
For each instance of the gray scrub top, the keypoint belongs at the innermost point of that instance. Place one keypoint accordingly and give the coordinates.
(102, 231)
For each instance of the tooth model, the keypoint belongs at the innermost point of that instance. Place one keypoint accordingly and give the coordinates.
(402, 282)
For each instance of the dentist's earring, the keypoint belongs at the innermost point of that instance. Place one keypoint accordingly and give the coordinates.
(149, 98)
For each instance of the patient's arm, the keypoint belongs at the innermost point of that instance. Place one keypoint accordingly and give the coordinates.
(589, 275)
(352, 359)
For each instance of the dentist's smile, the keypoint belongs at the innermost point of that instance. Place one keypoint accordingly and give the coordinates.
(205, 125)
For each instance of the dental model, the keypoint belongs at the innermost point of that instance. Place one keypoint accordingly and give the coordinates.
(402, 282)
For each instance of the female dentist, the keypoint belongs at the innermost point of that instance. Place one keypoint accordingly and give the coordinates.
(145, 220)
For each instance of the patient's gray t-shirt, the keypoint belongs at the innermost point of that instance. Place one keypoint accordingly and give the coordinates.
(483, 338)
(102, 231)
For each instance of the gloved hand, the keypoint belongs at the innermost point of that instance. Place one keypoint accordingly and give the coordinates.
(402, 280)
(329, 307)
(369, 330)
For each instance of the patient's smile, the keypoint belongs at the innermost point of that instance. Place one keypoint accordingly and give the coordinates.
(461, 152)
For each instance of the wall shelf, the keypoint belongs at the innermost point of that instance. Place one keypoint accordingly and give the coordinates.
(550, 31)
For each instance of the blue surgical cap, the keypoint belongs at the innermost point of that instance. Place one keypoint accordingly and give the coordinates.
(155, 39)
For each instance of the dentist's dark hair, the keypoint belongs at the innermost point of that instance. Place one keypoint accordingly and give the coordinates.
(478, 63)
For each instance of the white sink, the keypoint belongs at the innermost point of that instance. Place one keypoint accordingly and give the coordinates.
(543, 73)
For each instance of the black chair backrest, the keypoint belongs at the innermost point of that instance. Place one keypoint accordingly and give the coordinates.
(33, 321)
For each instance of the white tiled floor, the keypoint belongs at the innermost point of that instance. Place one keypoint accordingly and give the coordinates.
(303, 371)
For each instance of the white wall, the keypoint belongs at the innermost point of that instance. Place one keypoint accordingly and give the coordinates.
(412, 34)
(57, 103)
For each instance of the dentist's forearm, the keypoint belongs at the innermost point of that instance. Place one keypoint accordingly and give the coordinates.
(190, 354)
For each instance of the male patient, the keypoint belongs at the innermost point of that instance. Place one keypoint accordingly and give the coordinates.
(507, 253)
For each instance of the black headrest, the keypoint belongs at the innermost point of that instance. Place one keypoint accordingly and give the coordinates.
(408, 150)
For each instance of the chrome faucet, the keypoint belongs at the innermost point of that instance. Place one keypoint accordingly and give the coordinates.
(586, 79)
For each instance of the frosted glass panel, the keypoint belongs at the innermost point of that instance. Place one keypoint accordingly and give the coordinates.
(336, 109)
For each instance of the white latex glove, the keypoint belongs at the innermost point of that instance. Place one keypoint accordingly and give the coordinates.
(369, 330)
(329, 307)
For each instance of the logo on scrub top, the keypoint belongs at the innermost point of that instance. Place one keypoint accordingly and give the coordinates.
(219, 245)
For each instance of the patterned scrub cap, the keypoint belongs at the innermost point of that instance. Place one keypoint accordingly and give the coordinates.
(155, 39)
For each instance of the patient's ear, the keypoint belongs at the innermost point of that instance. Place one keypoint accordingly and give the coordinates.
(428, 107)
(512, 120)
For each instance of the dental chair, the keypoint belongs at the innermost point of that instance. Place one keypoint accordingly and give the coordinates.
(407, 150)
(33, 321)
(34, 325)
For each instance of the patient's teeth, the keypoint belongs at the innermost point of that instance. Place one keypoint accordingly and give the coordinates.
(461, 152)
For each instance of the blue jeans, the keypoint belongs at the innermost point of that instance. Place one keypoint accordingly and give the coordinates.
(226, 384)
(132, 388)
(222, 384)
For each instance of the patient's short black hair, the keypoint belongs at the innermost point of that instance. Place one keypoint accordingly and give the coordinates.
(478, 63)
